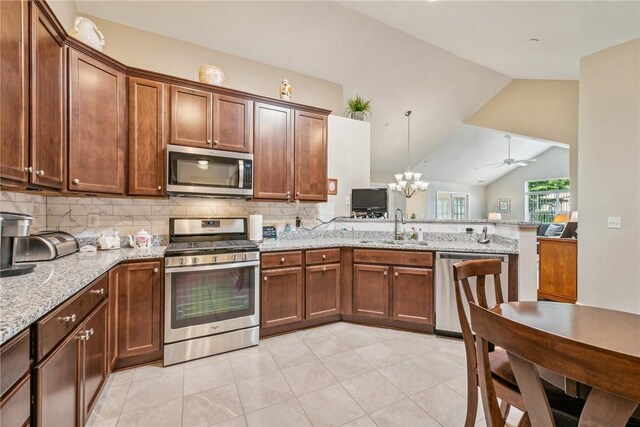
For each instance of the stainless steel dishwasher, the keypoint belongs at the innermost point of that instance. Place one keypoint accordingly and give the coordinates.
(447, 322)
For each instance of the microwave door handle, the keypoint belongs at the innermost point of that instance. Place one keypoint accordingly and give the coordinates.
(240, 173)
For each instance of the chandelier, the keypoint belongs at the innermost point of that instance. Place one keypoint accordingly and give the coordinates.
(408, 182)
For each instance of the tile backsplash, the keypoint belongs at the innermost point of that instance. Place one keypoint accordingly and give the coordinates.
(129, 215)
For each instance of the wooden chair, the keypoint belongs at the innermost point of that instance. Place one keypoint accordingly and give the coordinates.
(501, 373)
(610, 402)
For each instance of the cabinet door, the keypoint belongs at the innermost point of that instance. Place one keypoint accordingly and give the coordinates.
(413, 294)
(48, 143)
(97, 126)
(232, 124)
(322, 289)
(114, 280)
(371, 290)
(272, 153)
(94, 366)
(14, 102)
(15, 407)
(191, 117)
(139, 313)
(58, 384)
(310, 157)
(281, 296)
(146, 137)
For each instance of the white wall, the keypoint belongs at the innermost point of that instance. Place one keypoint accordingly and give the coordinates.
(609, 175)
(349, 159)
(553, 163)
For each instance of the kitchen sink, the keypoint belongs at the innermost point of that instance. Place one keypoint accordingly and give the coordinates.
(397, 242)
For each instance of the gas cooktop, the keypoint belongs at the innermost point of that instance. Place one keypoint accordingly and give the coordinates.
(210, 246)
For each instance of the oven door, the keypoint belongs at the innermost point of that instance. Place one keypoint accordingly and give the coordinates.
(210, 299)
(206, 171)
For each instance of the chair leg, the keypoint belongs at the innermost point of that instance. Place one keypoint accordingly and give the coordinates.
(472, 403)
(524, 421)
(504, 409)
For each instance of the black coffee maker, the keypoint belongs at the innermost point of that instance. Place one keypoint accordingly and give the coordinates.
(12, 227)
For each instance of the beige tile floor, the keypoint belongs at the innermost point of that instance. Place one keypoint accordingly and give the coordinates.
(335, 375)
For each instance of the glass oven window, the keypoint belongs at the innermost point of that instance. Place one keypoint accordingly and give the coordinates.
(203, 171)
(206, 296)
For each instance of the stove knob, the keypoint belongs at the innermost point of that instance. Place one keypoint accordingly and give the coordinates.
(194, 260)
(181, 261)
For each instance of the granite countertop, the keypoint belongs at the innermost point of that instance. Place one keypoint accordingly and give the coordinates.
(25, 299)
(517, 223)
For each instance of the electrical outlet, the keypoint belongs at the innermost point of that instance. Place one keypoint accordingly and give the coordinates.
(93, 220)
(614, 222)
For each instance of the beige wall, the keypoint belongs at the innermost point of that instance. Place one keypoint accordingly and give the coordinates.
(65, 11)
(546, 109)
(609, 174)
(166, 55)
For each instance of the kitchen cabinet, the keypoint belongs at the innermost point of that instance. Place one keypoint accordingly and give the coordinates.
(97, 125)
(371, 290)
(413, 297)
(15, 381)
(232, 123)
(191, 117)
(147, 136)
(290, 154)
(322, 291)
(47, 139)
(70, 378)
(14, 91)
(281, 296)
(310, 137)
(139, 313)
(272, 153)
(558, 269)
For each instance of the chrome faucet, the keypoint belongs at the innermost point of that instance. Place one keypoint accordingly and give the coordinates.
(399, 235)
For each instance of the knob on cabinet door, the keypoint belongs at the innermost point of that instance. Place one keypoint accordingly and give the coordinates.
(265, 278)
(395, 274)
(155, 270)
(29, 169)
(76, 181)
(216, 142)
(159, 187)
(40, 172)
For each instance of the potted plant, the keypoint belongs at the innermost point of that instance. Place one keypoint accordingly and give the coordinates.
(358, 108)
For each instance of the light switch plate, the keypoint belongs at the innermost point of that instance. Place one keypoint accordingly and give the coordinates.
(614, 222)
(347, 200)
(93, 220)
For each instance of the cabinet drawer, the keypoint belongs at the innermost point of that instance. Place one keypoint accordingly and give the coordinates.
(15, 408)
(322, 256)
(282, 259)
(393, 257)
(51, 329)
(14, 361)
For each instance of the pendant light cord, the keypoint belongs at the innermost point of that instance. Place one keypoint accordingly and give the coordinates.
(408, 115)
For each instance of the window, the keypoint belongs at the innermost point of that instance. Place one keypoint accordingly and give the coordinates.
(544, 199)
(452, 205)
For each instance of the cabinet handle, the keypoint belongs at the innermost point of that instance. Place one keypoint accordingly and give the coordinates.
(98, 291)
(324, 268)
(396, 274)
(81, 337)
(324, 257)
(67, 319)
(385, 273)
(40, 172)
(288, 195)
(216, 142)
(282, 260)
(265, 278)
(209, 141)
(159, 187)
(155, 270)
(76, 181)
(29, 169)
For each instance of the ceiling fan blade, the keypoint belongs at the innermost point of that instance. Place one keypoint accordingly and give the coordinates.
(494, 164)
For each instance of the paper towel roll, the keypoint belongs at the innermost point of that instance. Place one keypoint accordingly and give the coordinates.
(255, 228)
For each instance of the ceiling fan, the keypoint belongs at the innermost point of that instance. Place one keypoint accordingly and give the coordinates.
(510, 161)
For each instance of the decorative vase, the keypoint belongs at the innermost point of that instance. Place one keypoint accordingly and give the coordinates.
(88, 33)
(285, 90)
(357, 115)
(211, 74)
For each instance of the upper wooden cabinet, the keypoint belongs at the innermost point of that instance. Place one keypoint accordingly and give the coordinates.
(47, 136)
(191, 117)
(14, 89)
(232, 123)
(97, 126)
(147, 136)
(272, 153)
(310, 156)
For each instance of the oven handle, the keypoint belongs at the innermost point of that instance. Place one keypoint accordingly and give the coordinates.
(212, 267)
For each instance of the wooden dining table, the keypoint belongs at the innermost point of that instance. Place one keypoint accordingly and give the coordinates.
(610, 333)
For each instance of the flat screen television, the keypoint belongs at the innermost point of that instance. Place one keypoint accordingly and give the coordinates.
(369, 200)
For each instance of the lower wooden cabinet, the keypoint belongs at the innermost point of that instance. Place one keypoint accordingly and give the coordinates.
(15, 381)
(322, 291)
(139, 310)
(558, 269)
(114, 281)
(371, 290)
(70, 378)
(281, 296)
(15, 407)
(413, 294)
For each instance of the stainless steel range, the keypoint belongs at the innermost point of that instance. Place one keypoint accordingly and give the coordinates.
(211, 288)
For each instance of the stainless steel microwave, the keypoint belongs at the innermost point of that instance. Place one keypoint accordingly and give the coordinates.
(207, 172)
